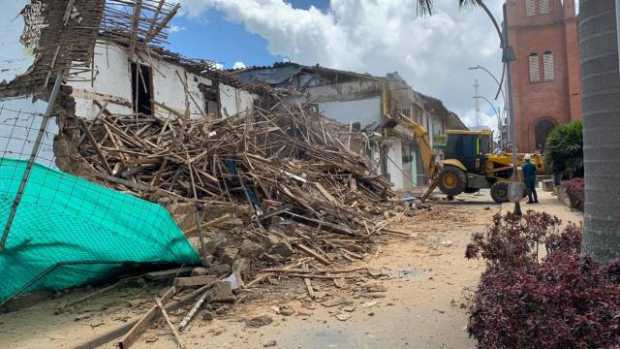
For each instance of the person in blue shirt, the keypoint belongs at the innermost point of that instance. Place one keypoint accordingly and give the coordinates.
(529, 177)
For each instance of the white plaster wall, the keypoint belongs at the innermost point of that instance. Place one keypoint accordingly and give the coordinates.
(395, 163)
(365, 111)
(112, 79)
(235, 101)
(15, 59)
(19, 129)
(169, 90)
(113, 84)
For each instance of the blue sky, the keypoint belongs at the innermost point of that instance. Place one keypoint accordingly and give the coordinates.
(432, 53)
(211, 35)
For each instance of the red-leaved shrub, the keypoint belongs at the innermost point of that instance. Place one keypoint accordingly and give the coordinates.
(528, 298)
(575, 189)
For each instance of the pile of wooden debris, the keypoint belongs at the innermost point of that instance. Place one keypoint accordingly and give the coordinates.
(275, 193)
(268, 157)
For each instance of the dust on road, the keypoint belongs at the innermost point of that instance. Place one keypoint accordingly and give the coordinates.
(421, 301)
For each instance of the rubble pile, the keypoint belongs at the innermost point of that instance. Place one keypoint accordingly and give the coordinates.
(267, 187)
(273, 194)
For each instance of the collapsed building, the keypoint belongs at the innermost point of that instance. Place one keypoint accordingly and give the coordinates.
(363, 101)
(116, 151)
(109, 67)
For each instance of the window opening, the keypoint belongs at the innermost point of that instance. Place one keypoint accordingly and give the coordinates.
(142, 88)
(545, 7)
(548, 66)
(530, 7)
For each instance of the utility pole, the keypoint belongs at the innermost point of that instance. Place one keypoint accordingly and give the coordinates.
(515, 192)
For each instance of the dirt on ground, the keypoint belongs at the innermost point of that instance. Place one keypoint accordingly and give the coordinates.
(419, 298)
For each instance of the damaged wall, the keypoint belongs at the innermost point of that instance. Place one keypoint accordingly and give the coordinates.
(112, 83)
(350, 102)
(235, 101)
(395, 163)
(365, 111)
(348, 91)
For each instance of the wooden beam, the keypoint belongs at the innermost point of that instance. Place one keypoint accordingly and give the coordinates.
(156, 15)
(136, 331)
(167, 318)
(110, 335)
(193, 311)
(168, 274)
(308, 283)
(313, 254)
(93, 141)
(153, 33)
(68, 11)
(135, 21)
(194, 280)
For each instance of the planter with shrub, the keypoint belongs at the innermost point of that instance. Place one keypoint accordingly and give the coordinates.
(538, 291)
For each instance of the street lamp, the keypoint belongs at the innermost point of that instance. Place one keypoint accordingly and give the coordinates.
(499, 118)
(500, 89)
(499, 83)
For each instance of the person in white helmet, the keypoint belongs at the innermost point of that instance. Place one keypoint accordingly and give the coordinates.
(529, 177)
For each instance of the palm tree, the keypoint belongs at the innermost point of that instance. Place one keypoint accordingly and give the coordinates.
(598, 33)
(601, 128)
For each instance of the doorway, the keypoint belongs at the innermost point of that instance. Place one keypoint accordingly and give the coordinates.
(542, 130)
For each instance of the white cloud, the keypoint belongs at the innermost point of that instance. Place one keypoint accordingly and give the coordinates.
(176, 29)
(219, 66)
(486, 118)
(431, 52)
(239, 65)
(14, 57)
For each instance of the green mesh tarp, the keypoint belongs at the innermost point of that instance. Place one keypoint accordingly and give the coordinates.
(69, 231)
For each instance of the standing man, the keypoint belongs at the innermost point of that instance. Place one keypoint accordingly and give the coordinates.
(529, 177)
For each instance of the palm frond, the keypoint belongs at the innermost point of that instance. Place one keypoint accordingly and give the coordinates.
(426, 6)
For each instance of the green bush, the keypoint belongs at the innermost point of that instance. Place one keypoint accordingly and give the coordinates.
(564, 150)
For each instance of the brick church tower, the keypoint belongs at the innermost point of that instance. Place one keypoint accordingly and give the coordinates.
(546, 76)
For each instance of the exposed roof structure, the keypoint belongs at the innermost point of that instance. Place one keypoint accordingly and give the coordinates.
(436, 106)
(63, 34)
(284, 75)
(202, 67)
(281, 73)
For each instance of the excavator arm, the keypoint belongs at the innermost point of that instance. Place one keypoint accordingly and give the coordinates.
(426, 151)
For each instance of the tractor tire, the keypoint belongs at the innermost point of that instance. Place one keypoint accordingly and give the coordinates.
(499, 192)
(452, 181)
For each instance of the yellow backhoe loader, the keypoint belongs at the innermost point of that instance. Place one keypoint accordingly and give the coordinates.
(468, 165)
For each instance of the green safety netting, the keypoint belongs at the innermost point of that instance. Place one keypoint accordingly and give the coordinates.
(69, 232)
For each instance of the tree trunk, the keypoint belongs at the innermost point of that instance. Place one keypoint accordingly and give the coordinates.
(601, 125)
